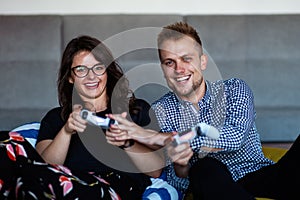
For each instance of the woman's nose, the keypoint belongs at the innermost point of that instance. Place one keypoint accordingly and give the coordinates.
(91, 74)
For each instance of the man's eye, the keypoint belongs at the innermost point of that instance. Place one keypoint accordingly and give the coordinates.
(169, 63)
(187, 59)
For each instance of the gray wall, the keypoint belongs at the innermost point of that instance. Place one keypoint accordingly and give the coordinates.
(261, 49)
(264, 51)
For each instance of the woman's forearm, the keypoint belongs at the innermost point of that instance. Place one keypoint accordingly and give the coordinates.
(55, 151)
(153, 139)
(146, 160)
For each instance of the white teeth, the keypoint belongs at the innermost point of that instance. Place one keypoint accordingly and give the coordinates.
(91, 84)
(182, 78)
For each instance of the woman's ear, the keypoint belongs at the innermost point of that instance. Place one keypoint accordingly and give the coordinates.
(204, 60)
(71, 80)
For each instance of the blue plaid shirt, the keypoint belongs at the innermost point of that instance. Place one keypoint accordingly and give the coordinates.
(228, 106)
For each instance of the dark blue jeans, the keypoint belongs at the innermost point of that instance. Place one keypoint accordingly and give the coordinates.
(210, 179)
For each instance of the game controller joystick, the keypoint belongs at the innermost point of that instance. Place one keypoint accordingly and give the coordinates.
(201, 129)
(95, 120)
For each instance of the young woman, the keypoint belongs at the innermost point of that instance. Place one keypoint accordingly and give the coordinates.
(64, 167)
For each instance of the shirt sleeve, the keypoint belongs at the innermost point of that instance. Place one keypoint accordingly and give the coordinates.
(51, 124)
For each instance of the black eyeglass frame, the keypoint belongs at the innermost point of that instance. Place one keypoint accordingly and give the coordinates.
(88, 70)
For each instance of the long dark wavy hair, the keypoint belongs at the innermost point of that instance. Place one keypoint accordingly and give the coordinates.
(122, 95)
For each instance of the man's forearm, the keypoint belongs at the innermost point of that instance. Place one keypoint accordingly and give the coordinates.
(181, 170)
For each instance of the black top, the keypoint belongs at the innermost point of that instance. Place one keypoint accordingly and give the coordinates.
(78, 156)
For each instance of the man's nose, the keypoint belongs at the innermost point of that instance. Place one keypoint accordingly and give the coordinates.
(180, 67)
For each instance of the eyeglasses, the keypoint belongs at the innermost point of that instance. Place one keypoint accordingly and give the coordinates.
(82, 71)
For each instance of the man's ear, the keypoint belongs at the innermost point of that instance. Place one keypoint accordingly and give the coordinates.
(204, 60)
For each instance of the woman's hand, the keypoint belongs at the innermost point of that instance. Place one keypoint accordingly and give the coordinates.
(130, 129)
(115, 135)
(75, 123)
(55, 151)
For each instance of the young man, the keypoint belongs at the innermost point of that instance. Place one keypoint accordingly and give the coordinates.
(225, 160)
(232, 166)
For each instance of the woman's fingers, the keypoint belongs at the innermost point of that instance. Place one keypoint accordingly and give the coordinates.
(120, 118)
(117, 133)
(75, 123)
(112, 141)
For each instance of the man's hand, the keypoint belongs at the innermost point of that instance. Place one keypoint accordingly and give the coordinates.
(180, 155)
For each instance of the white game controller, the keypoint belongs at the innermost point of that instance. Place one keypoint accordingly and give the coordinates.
(95, 120)
(201, 129)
